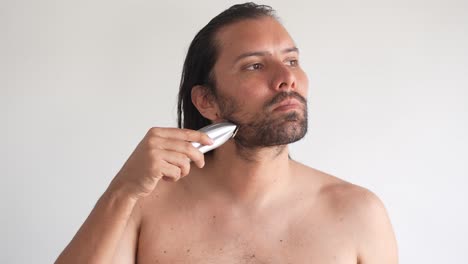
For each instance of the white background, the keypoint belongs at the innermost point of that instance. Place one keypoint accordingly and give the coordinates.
(82, 81)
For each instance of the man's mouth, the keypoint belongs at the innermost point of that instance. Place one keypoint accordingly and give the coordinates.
(287, 104)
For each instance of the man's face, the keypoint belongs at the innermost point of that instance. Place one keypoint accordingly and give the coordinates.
(259, 83)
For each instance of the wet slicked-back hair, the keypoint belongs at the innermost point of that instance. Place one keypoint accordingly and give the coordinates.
(201, 58)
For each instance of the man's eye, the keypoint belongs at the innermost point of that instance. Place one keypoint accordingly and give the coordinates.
(255, 66)
(293, 62)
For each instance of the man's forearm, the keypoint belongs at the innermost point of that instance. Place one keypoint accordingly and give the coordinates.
(98, 237)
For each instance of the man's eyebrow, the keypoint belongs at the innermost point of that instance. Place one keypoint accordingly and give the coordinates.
(263, 53)
(292, 49)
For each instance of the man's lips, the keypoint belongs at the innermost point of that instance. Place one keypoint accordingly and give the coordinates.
(287, 104)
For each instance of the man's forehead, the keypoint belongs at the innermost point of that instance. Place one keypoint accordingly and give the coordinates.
(253, 35)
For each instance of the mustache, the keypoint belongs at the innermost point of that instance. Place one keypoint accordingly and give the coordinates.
(286, 95)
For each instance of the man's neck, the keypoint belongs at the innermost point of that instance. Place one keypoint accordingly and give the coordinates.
(247, 176)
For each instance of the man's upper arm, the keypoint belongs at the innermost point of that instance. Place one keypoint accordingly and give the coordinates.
(127, 249)
(377, 239)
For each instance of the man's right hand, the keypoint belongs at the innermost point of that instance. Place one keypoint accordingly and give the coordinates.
(163, 153)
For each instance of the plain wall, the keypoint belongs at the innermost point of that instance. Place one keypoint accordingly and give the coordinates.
(82, 81)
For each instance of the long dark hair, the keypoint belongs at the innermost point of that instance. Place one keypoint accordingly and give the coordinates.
(201, 58)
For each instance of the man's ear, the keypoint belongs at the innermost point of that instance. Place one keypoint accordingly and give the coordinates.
(204, 100)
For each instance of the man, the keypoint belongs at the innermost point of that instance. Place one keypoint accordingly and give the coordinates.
(247, 201)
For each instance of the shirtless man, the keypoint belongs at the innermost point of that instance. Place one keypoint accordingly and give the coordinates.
(247, 201)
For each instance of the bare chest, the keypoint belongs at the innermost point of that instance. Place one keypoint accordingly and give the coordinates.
(213, 240)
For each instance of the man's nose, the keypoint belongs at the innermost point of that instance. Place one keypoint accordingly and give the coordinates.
(283, 78)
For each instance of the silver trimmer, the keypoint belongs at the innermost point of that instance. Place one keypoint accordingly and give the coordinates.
(219, 133)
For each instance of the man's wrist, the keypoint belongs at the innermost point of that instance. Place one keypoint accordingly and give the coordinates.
(119, 193)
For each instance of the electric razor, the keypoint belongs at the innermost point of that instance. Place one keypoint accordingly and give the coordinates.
(219, 133)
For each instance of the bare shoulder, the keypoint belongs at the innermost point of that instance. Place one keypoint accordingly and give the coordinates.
(362, 211)
(350, 199)
(340, 195)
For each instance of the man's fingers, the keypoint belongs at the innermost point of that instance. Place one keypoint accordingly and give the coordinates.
(181, 134)
(181, 147)
(170, 172)
(179, 160)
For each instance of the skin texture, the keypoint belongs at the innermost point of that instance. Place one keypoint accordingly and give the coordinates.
(244, 203)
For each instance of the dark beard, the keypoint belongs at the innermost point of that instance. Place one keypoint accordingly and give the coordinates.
(265, 130)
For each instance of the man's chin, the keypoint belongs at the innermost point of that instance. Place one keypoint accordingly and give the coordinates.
(294, 132)
(288, 131)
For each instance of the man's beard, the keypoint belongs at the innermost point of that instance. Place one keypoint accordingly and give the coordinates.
(266, 129)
